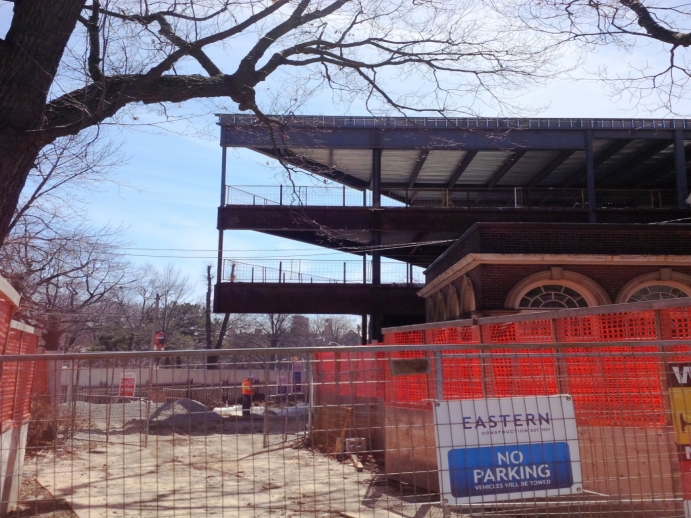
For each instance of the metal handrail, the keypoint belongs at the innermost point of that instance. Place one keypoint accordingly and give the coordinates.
(456, 122)
(456, 197)
(294, 351)
(308, 271)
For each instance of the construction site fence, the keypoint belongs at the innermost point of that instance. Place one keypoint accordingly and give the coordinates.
(356, 431)
(19, 381)
(614, 383)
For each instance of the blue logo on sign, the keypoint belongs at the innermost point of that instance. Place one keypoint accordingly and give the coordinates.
(510, 468)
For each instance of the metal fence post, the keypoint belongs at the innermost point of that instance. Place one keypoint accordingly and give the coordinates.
(310, 394)
(439, 382)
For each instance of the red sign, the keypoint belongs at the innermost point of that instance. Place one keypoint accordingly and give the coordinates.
(127, 385)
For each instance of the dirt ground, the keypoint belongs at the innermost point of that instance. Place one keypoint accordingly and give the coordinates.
(196, 463)
(36, 500)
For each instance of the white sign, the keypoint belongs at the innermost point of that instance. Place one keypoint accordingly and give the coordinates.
(507, 448)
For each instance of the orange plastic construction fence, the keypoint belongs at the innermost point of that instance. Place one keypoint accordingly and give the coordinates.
(349, 374)
(16, 381)
(611, 385)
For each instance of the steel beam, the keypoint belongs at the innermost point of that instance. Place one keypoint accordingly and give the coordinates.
(505, 167)
(462, 166)
(663, 169)
(631, 162)
(312, 166)
(431, 252)
(418, 219)
(561, 157)
(346, 299)
(418, 237)
(411, 137)
(418, 167)
(600, 159)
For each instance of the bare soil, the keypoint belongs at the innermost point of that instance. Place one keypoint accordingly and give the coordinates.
(36, 500)
(184, 461)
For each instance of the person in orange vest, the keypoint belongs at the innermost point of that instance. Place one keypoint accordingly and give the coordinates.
(247, 393)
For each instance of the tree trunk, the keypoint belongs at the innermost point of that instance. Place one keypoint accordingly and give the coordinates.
(52, 334)
(29, 59)
(15, 163)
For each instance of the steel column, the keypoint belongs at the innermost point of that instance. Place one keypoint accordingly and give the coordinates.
(376, 177)
(376, 242)
(590, 175)
(680, 169)
(363, 329)
(219, 265)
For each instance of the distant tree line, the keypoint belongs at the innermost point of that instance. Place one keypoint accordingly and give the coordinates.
(79, 289)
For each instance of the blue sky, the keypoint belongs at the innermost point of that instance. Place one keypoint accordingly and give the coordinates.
(171, 215)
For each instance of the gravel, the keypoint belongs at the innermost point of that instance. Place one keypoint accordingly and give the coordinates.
(184, 415)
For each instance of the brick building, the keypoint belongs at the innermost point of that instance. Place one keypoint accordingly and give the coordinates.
(504, 268)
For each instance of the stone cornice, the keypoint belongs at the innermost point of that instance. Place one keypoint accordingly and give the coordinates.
(471, 261)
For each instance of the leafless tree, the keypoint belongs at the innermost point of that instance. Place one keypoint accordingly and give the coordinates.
(272, 328)
(332, 328)
(67, 65)
(652, 35)
(66, 270)
(129, 320)
(64, 171)
(65, 278)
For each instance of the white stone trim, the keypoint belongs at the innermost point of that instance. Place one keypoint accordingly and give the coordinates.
(8, 293)
(468, 303)
(24, 327)
(471, 261)
(440, 308)
(453, 307)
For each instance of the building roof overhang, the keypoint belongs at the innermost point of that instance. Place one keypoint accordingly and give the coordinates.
(458, 153)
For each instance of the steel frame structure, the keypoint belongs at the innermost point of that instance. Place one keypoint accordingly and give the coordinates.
(391, 155)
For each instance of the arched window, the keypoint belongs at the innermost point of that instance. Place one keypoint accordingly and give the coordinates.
(662, 284)
(656, 292)
(556, 288)
(553, 296)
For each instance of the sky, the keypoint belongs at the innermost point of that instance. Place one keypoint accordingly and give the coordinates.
(169, 214)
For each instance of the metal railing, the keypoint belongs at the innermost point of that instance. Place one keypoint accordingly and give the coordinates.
(313, 271)
(466, 198)
(317, 121)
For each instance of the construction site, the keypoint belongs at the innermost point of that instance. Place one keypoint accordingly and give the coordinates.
(523, 287)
